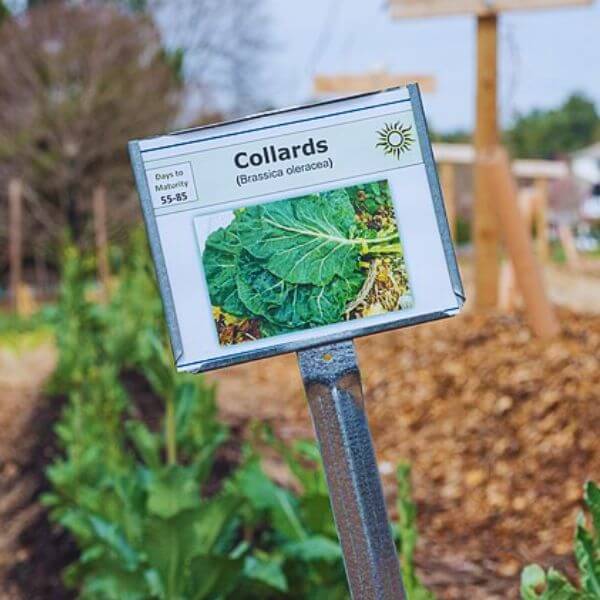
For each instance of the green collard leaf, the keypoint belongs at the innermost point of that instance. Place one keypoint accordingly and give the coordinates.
(146, 443)
(537, 585)
(170, 545)
(291, 306)
(154, 583)
(180, 550)
(251, 482)
(592, 499)
(213, 519)
(588, 561)
(304, 240)
(173, 490)
(313, 305)
(124, 502)
(109, 582)
(77, 522)
(186, 398)
(114, 539)
(533, 582)
(299, 263)
(559, 588)
(266, 571)
(213, 576)
(264, 495)
(220, 264)
(407, 527)
(269, 329)
(316, 514)
(314, 548)
(260, 291)
(336, 591)
(304, 461)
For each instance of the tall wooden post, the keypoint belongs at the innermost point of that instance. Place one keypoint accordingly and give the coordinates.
(486, 134)
(101, 235)
(486, 138)
(448, 181)
(15, 244)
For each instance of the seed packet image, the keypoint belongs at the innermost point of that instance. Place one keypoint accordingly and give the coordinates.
(304, 262)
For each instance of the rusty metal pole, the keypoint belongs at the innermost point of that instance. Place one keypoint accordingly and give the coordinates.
(333, 388)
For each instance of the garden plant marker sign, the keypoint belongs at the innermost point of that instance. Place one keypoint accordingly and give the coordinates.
(299, 230)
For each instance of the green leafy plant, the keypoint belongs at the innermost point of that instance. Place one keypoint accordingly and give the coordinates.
(153, 514)
(304, 262)
(536, 584)
(407, 535)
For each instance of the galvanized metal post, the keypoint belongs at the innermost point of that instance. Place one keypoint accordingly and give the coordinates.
(333, 387)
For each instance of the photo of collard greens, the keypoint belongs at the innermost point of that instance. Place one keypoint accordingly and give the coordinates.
(305, 262)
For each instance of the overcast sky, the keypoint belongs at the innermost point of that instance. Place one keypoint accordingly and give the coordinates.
(545, 55)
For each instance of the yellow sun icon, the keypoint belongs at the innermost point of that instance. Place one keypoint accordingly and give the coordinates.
(395, 138)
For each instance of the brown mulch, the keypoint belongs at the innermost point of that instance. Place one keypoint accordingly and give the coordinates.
(501, 430)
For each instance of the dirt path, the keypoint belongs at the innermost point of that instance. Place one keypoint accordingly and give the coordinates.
(25, 427)
(576, 290)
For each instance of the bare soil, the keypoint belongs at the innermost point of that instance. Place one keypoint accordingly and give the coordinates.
(32, 551)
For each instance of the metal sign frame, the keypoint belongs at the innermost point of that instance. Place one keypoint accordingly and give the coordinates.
(279, 347)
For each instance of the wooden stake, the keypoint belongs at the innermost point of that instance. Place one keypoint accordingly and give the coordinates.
(496, 168)
(541, 220)
(568, 243)
(15, 244)
(448, 181)
(100, 230)
(508, 292)
(486, 138)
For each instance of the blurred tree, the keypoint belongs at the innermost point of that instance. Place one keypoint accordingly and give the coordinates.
(76, 83)
(221, 44)
(555, 132)
(4, 12)
(215, 46)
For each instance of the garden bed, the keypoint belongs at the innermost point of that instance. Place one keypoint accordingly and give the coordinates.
(501, 431)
